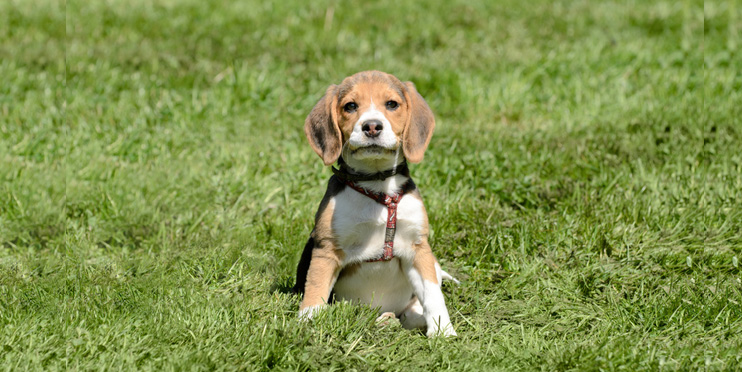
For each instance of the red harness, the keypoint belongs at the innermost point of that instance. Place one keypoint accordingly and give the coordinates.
(391, 202)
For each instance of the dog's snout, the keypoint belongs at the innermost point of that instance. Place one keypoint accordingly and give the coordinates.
(372, 128)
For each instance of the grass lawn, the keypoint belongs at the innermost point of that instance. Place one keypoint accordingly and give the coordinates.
(584, 182)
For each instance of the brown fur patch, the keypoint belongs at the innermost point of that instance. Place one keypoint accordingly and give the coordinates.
(321, 127)
(425, 228)
(420, 125)
(322, 219)
(424, 262)
(323, 270)
(324, 266)
(322, 233)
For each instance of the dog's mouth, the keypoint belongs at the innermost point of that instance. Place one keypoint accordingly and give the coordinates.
(373, 149)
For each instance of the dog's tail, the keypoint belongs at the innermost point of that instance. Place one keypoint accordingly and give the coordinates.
(447, 276)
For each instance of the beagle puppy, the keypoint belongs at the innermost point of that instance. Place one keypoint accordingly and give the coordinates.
(370, 240)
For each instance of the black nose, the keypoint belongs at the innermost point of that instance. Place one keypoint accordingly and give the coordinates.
(372, 128)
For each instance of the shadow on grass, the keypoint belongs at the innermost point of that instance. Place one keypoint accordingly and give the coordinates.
(284, 285)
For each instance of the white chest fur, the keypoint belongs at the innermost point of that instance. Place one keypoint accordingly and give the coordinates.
(359, 225)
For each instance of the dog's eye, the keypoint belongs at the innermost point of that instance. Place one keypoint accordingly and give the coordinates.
(350, 107)
(392, 105)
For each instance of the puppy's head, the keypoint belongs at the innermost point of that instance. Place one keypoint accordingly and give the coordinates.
(367, 119)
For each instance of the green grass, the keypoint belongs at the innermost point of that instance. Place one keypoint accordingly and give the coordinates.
(584, 182)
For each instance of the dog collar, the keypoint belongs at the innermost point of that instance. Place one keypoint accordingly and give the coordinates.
(391, 202)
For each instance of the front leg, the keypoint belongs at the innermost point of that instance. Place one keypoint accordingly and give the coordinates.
(323, 271)
(426, 283)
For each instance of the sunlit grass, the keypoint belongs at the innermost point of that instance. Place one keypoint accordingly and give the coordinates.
(584, 182)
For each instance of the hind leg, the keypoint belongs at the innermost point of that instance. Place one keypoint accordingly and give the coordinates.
(412, 316)
(426, 285)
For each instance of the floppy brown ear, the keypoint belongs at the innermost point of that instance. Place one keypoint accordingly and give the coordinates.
(321, 127)
(420, 124)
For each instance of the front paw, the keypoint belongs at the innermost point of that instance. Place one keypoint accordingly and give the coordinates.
(309, 312)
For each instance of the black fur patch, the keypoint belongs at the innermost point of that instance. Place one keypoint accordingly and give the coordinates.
(334, 186)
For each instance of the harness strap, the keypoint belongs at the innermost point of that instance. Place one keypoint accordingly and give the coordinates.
(391, 202)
